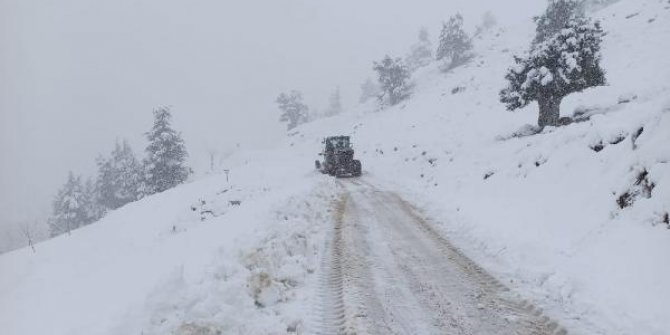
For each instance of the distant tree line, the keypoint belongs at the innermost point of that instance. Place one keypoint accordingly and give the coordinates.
(393, 84)
(564, 58)
(294, 111)
(122, 178)
(394, 73)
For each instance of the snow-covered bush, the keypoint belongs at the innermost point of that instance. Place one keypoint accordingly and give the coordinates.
(567, 63)
(455, 44)
(393, 77)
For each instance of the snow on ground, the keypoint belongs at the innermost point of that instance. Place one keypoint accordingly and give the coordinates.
(180, 262)
(540, 212)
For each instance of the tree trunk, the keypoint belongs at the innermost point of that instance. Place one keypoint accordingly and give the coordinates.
(549, 111)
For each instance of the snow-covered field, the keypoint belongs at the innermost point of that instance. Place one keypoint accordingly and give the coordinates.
(541, 212)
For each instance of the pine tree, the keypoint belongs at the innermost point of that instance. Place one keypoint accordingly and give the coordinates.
(294, 111)
(335, 103)
(558, 15)
(92, 208)
(393, 78)
(68, 210)
(369, 90)
(130, 173)
(165, 164)
(568, 62)
(119, 177)
(455, 44)
(421, 53)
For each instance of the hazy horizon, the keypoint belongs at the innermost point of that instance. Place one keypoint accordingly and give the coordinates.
(79, 75)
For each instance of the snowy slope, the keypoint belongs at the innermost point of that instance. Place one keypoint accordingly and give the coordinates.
(158, 266)
(540, 212)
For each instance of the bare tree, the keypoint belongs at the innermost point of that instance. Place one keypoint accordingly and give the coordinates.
(27, 233)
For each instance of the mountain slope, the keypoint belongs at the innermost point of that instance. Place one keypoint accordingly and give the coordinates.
(542, 212)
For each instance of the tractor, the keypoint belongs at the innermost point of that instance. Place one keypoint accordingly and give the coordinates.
(338, 158)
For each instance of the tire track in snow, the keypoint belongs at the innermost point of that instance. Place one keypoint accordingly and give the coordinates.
(385, 270)
(334, 315)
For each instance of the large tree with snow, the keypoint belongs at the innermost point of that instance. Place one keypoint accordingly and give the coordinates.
(70, 207)
(566, 63)
(293, 110)
(393, 77)
(119, 177)
(455, 44)
(421, 53)
(558, 15)
(94, 210)
(165, 164)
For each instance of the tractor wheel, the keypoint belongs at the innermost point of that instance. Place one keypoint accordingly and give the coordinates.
(357, 168)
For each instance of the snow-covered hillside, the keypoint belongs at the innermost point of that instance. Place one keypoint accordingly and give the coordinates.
(543, 211)
(182, 261)
(573, 219)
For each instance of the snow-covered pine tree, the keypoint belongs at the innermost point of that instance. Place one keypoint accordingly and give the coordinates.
(369, 90)
(130, 173)
(558, 15)
(393, 77)
(119, 177)
(334, 103)
(455, 44)
(568, 62)
(421, 53)
(94, 211)
(69, 211)
(165, 164)
(293, 110)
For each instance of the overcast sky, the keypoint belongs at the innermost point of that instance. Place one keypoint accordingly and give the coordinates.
(75, 75)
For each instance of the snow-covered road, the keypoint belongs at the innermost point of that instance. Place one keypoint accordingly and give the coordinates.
(386, 271)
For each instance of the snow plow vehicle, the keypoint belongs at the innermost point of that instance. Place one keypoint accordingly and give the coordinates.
(338, 158)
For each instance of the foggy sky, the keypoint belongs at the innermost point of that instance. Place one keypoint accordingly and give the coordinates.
(75, 75)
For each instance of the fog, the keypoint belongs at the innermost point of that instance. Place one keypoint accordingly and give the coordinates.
(78, 74)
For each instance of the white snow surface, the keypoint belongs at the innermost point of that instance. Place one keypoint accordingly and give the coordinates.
(539, 211)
